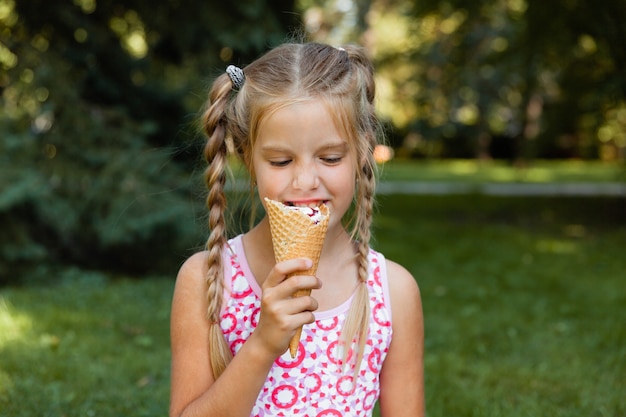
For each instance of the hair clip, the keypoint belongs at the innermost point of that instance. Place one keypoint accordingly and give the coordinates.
(236, 76)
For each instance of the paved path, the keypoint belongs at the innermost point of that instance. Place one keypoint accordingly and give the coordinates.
(583, 189)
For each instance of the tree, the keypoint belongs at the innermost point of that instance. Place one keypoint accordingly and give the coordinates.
(541, 78)
(97, 134)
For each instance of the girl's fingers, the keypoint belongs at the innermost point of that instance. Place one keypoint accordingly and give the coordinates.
(293, 265)
(304, 303)
(279, 300)
(281, 312)
(281, 270)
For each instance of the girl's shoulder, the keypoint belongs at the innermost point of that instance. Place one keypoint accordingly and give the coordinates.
(194, 266)
(398, 272)
(191, 278)
(403, 287)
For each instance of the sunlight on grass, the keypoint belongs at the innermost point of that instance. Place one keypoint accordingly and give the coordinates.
(537, 174)
(97, 347)
(463, 167)
(502, 171)
(557, 246)
(503, 174)
(13, 325)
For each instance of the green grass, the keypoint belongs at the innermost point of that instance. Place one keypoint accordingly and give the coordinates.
(85, 346)
(523, 301)
(475, 171)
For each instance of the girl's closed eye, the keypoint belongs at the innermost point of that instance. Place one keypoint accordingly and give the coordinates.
(332, 159)
(280, 162)
(334, 153)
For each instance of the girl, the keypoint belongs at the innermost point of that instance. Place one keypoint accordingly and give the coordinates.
(301, 118)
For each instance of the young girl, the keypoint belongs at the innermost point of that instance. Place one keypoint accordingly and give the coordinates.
(301, 118)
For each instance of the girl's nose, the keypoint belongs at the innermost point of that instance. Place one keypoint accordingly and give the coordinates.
(306, 177)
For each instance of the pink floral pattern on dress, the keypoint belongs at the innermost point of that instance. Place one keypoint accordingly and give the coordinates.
(314, 383)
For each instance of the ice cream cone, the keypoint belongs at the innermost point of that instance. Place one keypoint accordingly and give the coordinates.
(297, 233)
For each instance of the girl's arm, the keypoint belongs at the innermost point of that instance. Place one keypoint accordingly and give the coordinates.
(402, 375)
(194, 392)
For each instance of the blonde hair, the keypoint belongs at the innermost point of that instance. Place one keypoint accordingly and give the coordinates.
(344, 80)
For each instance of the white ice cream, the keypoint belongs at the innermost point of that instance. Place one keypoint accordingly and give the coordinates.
(313, 212)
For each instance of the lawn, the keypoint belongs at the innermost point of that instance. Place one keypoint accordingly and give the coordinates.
(88, 345)
(476, 171)
(523, 300)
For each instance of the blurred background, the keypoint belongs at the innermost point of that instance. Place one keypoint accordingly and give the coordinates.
(101, 188)
(99, 100)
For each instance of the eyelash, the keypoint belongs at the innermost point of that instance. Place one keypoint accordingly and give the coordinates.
(280, 163)
(328, 160)
(332, 160)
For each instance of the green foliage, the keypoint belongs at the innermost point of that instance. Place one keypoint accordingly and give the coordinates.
(512, 79)
(523, 305)
(87, 187)
(98, 142)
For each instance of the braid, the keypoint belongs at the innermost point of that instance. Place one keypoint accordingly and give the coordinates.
(215, 153)
(357, 321)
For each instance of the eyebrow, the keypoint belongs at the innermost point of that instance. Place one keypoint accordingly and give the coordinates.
(339, 145)
(342, 145)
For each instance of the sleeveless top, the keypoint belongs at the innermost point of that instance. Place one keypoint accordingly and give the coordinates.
(315, 383)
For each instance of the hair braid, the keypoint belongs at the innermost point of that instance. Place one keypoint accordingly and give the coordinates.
(357, 322)
(215, 153)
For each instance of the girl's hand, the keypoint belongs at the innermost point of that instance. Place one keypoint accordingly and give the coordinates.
(281, 314)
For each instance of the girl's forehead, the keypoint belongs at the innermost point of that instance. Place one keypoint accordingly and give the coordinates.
(302, 115)
(294, 114)
(300, 122)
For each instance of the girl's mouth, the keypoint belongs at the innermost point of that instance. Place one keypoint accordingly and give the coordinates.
(310, 204)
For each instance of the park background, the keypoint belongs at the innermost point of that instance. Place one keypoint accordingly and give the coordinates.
(505, 193)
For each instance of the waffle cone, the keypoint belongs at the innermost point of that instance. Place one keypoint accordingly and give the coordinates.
(295, 235)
